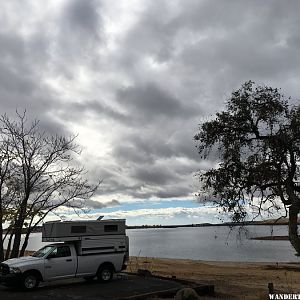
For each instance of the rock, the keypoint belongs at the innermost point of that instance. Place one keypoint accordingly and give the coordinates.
(186, 294)
(144, 273)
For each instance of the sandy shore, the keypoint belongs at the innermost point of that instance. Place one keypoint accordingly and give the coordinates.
(232, 280)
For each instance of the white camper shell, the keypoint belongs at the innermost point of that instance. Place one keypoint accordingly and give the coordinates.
(89, 237)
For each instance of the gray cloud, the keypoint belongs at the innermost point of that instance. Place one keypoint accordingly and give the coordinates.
(20, 85)
(135, 81)
(98, 205)
(82, 16)
(148, 102)
(93, 204)
(80, 30)
(156, 175)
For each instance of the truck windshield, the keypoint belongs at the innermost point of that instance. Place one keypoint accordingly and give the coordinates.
(43, 251)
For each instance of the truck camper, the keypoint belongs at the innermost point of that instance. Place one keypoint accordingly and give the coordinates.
(87, 249)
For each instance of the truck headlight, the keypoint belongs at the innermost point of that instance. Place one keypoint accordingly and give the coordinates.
(15, 270)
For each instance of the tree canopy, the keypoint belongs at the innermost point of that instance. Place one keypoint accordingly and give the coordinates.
(257, 138)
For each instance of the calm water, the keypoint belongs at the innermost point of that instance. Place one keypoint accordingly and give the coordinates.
(205, 243)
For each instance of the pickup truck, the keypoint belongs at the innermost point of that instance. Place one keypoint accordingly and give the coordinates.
(60, 261)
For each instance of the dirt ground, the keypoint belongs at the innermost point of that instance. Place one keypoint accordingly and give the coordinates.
(232, 280)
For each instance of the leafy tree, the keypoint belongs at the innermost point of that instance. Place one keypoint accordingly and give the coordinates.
(37, 176)
(258, 143)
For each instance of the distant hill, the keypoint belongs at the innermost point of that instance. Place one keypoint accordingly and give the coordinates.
(282, 221)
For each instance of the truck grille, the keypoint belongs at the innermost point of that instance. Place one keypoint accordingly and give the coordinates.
(4, 269)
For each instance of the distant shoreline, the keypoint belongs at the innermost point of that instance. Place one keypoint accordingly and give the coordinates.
(271, 238)
(226, 224)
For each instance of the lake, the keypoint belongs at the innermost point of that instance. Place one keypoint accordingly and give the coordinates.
(217, 243)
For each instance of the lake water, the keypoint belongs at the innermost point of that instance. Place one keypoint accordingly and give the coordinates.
(205, 243)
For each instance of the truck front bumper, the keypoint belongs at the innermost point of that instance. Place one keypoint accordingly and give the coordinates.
(10, 279)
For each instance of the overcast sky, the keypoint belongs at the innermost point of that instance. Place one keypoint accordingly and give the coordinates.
(134, 78)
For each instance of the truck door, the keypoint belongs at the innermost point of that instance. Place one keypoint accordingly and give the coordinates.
(60, 263)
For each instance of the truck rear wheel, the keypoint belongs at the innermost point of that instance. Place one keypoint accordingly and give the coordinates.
(30, 281)
(105, 273)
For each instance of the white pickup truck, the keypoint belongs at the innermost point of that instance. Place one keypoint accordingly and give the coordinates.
(61, 261)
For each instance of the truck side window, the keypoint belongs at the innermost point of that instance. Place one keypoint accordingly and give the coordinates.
(61, 251)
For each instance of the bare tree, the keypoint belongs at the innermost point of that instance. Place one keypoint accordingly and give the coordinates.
(6, 194)
(39, 176)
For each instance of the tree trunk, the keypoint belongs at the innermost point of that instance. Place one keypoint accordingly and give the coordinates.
(1, 244)
(1, 238)
(18, 226)
(293, 227)
(7, 253)
(17, 240)
(25, 243)
(16, 246)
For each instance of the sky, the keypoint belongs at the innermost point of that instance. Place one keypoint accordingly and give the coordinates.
(134, 78)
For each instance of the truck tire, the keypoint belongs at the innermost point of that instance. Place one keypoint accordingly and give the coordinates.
(30, 281)
(105, 273)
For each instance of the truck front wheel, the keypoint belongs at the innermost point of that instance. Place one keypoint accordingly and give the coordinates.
(105, 273)
(30, 281)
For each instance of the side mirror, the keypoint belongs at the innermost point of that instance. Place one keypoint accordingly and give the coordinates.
(51, 255)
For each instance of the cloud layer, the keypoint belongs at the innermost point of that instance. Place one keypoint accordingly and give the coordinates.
(134, 78)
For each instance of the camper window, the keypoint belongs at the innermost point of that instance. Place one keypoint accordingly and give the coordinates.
(110, 228)
(78, 229)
